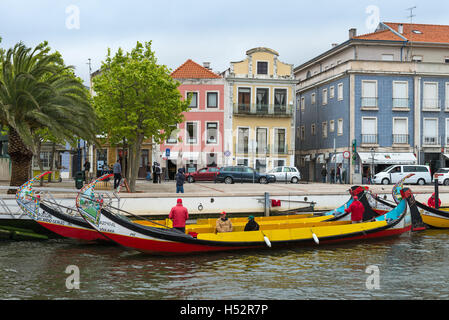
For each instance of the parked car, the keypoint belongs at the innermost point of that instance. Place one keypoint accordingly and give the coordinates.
(203, 174)
(285, 173)
(442, 175)
(243, 174)
(394, 173)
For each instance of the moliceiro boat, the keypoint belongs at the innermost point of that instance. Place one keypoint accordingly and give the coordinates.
(164, 240)
(50, 215)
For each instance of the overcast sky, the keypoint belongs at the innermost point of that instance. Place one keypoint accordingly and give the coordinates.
(215, 31)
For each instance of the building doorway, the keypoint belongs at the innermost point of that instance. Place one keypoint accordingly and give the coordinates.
(171, 169)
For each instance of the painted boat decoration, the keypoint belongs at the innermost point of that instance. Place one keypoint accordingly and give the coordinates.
(156, 240)
(51, 217)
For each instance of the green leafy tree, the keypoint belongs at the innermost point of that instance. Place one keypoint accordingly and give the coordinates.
(136, 99)
(38, 91)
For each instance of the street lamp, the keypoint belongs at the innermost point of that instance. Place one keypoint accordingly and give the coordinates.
(372, 164)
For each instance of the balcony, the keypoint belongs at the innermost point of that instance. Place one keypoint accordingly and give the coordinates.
(369, 103)
(267, 110)
(430, 141)
(369, 138)
(431, 105)
(400, 138)
(401, 104)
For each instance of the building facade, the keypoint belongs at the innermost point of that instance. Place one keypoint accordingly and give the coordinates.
(198, 141)
(375, 100)
(261, 92)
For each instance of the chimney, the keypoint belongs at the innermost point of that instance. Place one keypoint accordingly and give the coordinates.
(401, 28)
(334, 45)
(206, 65)
(352, 33)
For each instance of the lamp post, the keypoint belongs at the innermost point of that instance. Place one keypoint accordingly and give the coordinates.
(372, 164)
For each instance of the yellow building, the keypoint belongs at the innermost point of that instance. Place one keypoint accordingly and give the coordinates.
(261, 121)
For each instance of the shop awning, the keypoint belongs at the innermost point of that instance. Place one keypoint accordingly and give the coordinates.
(190, 155)
(320, 159)
(338, 157)
(446, 155)
(307, 157)
(387, 158)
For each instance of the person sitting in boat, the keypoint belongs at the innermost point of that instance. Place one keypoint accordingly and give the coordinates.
(431, 201)
(223, 224)
(252, 225)
(357, 209)
(179, 215)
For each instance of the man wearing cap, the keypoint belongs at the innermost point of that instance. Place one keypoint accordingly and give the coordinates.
(252, 225)
(357, 209)
(223, 224)
(179, 215)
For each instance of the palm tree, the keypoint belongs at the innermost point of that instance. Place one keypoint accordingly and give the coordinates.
(38, 91)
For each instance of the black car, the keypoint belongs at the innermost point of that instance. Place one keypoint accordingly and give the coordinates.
(243, 174)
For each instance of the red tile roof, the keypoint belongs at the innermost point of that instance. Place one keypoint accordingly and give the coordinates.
(192, 70)
(413, 32)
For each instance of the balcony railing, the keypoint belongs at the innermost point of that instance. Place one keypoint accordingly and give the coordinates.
(431, 104)
(400, 138)
(369, 138)
(369, 102)
(401, 103)
(430, 140)
(262, 109)
(261, 151)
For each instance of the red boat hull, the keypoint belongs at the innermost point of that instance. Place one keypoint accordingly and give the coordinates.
(74, 232)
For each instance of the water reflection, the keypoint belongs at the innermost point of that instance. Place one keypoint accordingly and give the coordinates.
(411, 267)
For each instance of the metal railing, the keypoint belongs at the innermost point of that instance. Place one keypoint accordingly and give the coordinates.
(430, 140)
(369, 138)
(431, 104)
(262, 109)
(369, 102)
(400, 138)
(401, 103)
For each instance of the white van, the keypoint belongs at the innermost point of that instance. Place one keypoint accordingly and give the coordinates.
(394, 173)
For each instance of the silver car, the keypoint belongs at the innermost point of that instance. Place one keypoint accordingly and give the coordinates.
(285, 173)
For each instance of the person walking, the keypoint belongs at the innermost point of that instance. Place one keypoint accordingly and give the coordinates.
(357, 209)
(117, 171)
(223, 224)
(86, 170)
(332, 175)
(180, 180)
(339, 173)
(158, 172)
(179, 215)
(148, 170)
(324, 174)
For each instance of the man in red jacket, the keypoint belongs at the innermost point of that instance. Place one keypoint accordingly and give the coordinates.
(179, 215)
(357, 209)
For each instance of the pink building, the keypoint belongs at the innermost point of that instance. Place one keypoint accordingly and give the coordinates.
(198, 141)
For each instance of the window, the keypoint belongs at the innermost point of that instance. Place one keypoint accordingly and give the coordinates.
(324, 97)
(430, 131)
(340, 91)
(212, 132)
(262, 99)
(369, 94)
(242, 140)
(191, 128)
(369, 130)
(417, 58)
(45, 158)
(261, 165)
(194, 101)
(324, 129)
(400, 94)
(400, 131)
(340, 127)
(312, 98)
(244, 99)
(212, 99)
(279, 141)
(280, 100)
(241, 162)
(446, 104)
(261, 139)
(312, 129)
(331, 92)
(331, 126)
(446, 60)
(430, 95)
(447, 131)
(303, 103)
(211, 160)
(387, 57)
(173, 135)
(262, 67)
(303, 133)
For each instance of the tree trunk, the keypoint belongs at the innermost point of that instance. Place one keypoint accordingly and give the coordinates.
(39, 160)
(134, 157)
(21, 157)
(52, 160)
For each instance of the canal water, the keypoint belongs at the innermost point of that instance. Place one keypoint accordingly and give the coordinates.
(412, 266)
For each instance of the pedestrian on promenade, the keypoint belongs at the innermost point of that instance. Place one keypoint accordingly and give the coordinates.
(357, 209)
(86, 170)
(117, 171)
(154, 172)
(180, 180)
(324, 173)
(158, 172)
(431, 201)
(332, 175)
(339, 173)
(179, 215)
(252, 225)
(148, 170)
(223, 224)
